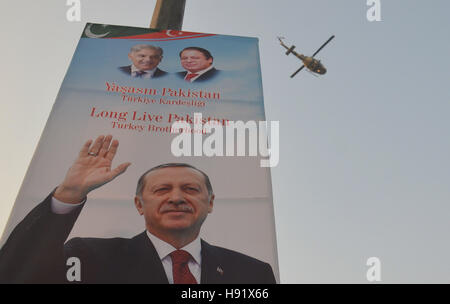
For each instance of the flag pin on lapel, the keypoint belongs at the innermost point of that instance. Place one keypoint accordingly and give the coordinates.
(219, 270)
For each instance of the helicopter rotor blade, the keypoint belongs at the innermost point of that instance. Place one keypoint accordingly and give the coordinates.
(295, 73)
(323, 45)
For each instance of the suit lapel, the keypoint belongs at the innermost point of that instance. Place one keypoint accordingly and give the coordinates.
(182, 74)
(212, 268)
(145, 264)
(207, 75)
(126, 69)
(158, 73)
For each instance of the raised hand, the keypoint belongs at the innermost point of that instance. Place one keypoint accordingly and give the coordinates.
(91, 170)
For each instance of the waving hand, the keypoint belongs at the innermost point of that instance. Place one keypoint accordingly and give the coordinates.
(91, 170)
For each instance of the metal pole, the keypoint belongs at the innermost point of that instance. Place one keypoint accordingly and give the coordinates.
(168, 15)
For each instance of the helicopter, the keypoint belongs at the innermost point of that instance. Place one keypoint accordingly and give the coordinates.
(313, 64)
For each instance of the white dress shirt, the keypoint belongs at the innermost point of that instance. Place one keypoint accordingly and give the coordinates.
(200, 73)
(148, 73)
(163, 249)
(59, 207)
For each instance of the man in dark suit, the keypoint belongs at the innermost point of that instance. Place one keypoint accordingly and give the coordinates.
(174, 199)
(145, 59)
(198, 63)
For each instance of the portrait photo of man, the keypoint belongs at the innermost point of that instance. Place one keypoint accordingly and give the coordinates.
(174, 200)
(198, 65)
(144, 59)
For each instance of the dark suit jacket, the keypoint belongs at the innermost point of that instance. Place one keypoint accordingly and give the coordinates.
(204, 77)
(158, 72)
(35, 253)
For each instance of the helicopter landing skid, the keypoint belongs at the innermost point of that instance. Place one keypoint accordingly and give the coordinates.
(312, 73)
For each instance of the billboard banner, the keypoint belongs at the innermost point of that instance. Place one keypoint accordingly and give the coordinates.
(154, 158)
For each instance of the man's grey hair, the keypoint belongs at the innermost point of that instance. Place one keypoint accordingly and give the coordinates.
(141, 181)
(138, 47)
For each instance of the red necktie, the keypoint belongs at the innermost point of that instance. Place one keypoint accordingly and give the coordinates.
(190, 76)
(180, 269)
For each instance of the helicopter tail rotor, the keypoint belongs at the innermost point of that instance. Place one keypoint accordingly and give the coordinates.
(290, 50)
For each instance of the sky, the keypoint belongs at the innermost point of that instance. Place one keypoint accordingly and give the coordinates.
(364, 165)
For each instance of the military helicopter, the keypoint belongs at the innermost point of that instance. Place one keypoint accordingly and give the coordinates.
(314, 65)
